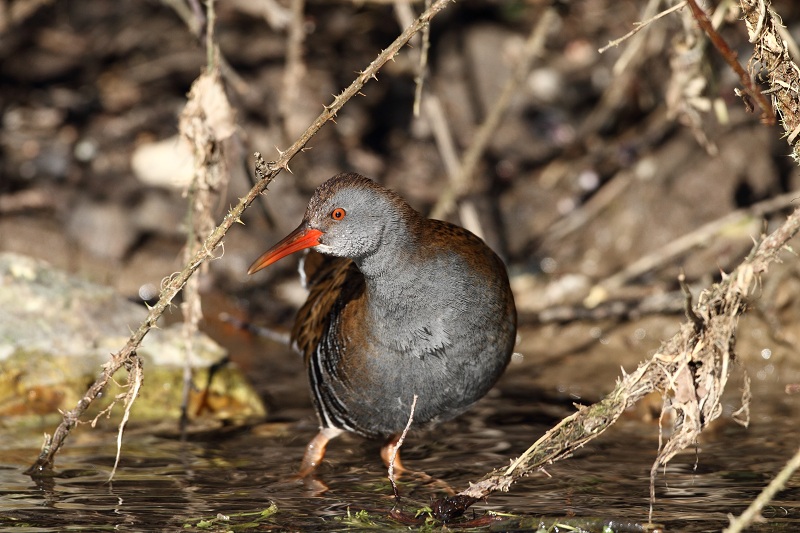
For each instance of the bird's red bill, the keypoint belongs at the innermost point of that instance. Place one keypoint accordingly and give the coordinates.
(301, 238)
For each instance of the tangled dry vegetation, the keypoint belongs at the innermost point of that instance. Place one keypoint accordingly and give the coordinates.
(771, 52)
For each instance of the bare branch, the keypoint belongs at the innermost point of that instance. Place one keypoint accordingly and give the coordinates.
(730, 57)
(639, 26)
(753, 511)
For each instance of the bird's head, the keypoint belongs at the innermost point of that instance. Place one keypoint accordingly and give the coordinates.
(348, 216)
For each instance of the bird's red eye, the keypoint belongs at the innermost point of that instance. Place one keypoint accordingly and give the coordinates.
(338, 213)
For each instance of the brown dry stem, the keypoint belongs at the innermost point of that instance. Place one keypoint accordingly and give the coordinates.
(690, 370)
(207, 122)
(730, 57)
(175, 283)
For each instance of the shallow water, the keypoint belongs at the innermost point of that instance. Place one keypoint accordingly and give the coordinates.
(165, 483)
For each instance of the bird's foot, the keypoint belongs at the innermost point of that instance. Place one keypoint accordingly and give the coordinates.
(391, 458)
(315, 450)
(390, 453)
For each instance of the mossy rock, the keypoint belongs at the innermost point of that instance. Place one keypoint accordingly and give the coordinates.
(56, 331)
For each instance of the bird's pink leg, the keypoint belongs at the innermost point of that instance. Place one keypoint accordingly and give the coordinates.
(315, 450)
(386, 454)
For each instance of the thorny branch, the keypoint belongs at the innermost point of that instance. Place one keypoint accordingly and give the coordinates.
(175, 283)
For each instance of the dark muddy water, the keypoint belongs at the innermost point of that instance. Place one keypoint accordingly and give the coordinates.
(165, 483)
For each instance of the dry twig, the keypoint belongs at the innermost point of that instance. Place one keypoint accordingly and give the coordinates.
(753, 511)
(398, 444)
(639, 26)
(730, 57)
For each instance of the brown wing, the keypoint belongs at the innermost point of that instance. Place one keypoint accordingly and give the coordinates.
(331, 282)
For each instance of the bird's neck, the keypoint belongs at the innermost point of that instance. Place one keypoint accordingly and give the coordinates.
(393, 252)
(408, 302)
(392, 270)
(387, 263)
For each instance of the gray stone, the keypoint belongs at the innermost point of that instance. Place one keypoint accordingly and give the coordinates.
(103, 230)
(56, 331)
